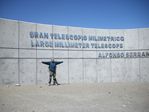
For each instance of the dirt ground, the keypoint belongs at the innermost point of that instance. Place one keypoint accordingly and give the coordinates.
(108, 97)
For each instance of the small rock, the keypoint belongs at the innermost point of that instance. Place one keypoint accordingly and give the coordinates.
(123, 105)
(18, 85)
(40, 86)
(109, 92)
(128, 102)
(3, 104)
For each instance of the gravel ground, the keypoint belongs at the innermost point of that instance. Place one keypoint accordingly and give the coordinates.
(108, 97)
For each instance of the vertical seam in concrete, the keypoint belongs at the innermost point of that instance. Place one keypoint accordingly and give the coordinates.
(83, 68)
(96, 58)
(68, 57)
(36, 82)
(139, 58)
(19, 53)
(111, 69)
(110, 62)
(124, 77)
(52, 43)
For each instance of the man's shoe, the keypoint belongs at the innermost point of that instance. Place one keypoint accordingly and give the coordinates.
(58, 84)
(54, 83)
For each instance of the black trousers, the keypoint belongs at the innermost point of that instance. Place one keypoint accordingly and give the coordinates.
(52, 74)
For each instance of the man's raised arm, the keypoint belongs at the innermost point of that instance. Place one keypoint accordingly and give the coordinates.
(58, 62)
(47, 63)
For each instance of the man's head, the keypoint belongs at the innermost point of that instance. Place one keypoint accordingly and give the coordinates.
(52, 59)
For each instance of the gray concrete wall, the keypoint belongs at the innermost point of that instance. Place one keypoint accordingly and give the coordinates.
(20, 62)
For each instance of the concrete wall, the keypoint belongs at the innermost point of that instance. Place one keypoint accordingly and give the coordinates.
(21, 63)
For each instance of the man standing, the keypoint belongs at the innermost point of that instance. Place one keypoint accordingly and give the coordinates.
(52, 69)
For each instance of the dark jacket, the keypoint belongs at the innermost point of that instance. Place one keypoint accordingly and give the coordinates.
(52, 65)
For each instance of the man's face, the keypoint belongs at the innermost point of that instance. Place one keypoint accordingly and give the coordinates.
(52, 60)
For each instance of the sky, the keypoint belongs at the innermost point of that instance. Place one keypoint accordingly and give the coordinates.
(106, 14)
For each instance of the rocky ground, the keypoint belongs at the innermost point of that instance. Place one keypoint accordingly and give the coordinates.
(108, 97)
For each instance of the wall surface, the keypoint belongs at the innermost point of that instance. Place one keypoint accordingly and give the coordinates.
(24, 45)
